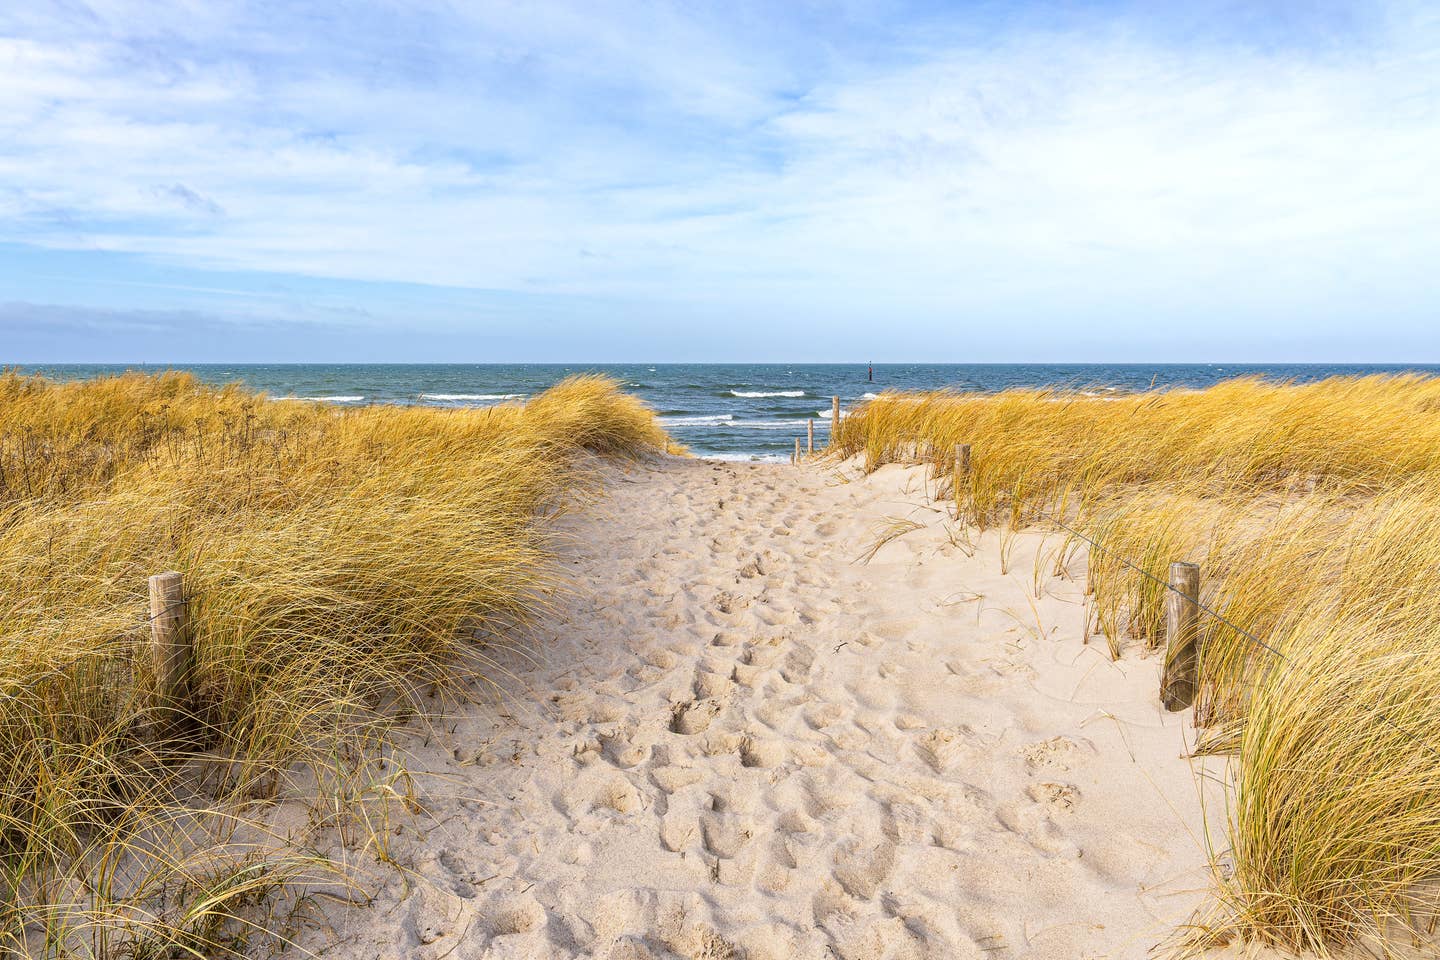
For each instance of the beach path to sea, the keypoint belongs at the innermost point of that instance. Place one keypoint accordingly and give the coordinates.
(751, 733)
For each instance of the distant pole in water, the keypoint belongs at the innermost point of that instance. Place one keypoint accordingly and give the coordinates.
(872, 372)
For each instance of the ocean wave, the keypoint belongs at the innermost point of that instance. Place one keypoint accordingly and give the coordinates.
(769, 424)
(337, 399)
(754, 394)
(472, 396)
(709, 419)
(747, 457)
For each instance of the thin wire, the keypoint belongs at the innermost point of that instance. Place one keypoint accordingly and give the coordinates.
(1166, 584)
(38, 679)
(1240, 630)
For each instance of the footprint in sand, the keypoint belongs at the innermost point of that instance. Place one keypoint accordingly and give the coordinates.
(724, 834)
(774, 712)
(693, 717)
(862, 866)
(511, 915)
(463, 879)
(626, 747)
(1057, 753)
(1034, 825)
(729, 603)
(905, 821)
(821, 715)
(760, 752)
(618, 794)
(796, 666)
(873, 694)
(942, 749)
(1056, 796)
(676, 832)
(762, 654)
(712, 685)
(434, 914)
(747, 675)
(673, 778)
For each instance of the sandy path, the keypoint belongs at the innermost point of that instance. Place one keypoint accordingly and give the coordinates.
(743, 743)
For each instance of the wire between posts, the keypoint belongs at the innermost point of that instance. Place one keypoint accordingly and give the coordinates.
(57, 671)
(1166, 584)
(1220, 618)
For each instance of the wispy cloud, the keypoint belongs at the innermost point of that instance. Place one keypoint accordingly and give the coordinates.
(933, 164)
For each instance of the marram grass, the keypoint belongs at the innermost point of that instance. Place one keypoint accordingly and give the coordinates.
(1314, 512)
(336, 562)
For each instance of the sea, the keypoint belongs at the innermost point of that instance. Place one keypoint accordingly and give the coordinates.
(751, 411)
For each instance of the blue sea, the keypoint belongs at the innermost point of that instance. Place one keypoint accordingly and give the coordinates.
(732, 411)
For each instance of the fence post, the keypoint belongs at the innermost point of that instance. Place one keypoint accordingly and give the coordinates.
(810, 435)
(1182, 637)
(834, 418)
(962, 469)
(796, 458)
(170, 641)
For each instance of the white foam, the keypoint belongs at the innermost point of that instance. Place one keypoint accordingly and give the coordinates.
(751, 394)
(338, 399)
(870, 396)
(746, 457)
(472, 396)
(770, 424)
(710, 419)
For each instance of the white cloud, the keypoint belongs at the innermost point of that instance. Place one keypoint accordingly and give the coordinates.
(651, 152)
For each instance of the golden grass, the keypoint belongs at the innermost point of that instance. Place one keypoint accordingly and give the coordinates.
(337, 562)
(1314, 512)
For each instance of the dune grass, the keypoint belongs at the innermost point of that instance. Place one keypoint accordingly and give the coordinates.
(337, 562)
(1314, 511)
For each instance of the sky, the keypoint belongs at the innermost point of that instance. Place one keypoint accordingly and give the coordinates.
(786, 180)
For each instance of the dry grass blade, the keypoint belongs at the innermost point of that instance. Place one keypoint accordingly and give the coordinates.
(892, 528)
(1314, 512)
(338, 563)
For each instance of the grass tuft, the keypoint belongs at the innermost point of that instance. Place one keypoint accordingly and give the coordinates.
(1314, 512)
(338, 563)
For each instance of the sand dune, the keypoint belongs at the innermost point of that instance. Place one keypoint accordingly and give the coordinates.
(741, 741)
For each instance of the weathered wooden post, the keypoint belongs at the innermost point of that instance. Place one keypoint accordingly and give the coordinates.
(960, 472)
(170, 642)
(796, 458)
(1182, 637)
(834, 418)
(810, 435)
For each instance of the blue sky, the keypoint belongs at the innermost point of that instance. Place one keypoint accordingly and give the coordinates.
(191, 180)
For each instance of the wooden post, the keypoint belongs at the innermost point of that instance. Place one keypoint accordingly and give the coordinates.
(170, 641)
(1182, 637)
(962, 470)
(834, 418)
(810, 435)
(796, 459)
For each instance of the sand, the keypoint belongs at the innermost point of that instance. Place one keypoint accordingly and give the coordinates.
(740, 739)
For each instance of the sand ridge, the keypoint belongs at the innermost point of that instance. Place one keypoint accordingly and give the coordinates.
(745, 742)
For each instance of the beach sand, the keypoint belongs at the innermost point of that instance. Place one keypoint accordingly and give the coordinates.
(740, 739)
